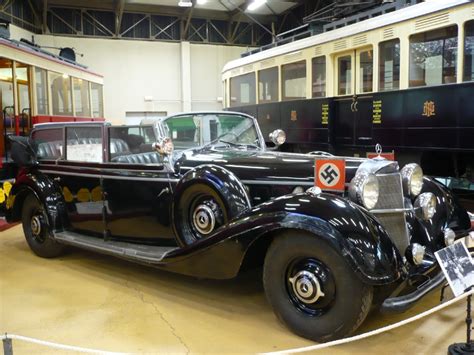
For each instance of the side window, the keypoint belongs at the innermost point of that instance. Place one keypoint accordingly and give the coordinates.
(61, 93)
(344, 75)
(366, 71)
(41, 92)
(319, 77)
(49, 143)
(97, 100)
(242, 90)
(389, 65)
(268, 85)
(433, 57)
(84, 144)
(293, 81)
(469, 51)
(81, 97)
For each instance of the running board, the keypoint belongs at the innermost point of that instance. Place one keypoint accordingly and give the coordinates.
(136, 252)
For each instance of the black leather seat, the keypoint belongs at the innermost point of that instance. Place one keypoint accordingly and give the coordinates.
(52, 150)
(49, 150)
(142, 158)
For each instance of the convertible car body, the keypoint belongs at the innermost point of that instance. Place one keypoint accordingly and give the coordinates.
(220, 200)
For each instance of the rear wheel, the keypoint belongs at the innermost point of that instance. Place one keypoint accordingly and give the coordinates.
(37, 231)
(312, 289)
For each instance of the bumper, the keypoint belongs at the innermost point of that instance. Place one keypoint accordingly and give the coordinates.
(402, 303)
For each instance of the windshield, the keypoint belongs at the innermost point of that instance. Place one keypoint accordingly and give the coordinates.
(216, 130)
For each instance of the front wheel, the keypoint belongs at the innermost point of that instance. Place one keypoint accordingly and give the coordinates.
(312, 289)
(37, 231)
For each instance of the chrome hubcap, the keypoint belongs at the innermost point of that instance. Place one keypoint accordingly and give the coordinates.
(306, 287)
(204, 219)
(36, 225)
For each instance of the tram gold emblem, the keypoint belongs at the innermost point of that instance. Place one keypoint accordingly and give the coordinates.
(429, 109)
(5, 191)
(293, 115)
(68, 197)
(96, 194)
(83, 195)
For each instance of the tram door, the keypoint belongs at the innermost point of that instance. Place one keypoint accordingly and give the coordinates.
(15, 101)
(354, 86)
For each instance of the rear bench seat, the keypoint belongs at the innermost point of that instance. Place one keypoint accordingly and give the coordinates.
(141, 158)
(52, 150)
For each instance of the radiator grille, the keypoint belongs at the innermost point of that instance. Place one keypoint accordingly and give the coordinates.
(391, 197)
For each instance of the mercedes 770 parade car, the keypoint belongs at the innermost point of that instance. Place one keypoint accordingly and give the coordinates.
(200, 194)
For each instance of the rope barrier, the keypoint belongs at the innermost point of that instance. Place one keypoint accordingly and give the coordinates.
(374, 332)
(58, 346)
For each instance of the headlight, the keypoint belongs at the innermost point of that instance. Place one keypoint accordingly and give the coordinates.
(426, 205)
(278, 137)
(412, 176)
(364, 189)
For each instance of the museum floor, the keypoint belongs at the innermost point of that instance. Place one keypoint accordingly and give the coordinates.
(100, 302)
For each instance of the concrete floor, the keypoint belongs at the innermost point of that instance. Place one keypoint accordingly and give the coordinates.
(100, 302)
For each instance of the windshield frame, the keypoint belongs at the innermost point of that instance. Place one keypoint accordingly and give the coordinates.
(161, 130)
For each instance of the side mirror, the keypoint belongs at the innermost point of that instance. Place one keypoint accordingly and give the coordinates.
(164, 147)
(278, 137)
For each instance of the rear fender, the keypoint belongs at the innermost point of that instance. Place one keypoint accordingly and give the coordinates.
(45, 190)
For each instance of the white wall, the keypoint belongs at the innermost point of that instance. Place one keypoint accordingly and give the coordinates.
(134, 69)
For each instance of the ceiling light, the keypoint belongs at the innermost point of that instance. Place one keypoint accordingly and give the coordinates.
(185, 3)
(255, 4)
(201, 2)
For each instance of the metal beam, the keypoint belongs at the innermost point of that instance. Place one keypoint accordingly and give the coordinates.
(118, 16)
(45, 17)
(188, 22)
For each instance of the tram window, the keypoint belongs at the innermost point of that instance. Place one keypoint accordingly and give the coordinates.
(268, 85)
(366, 71)
(389, 65)
(433, 57)
(81, 97)
(469, 51)
(61, 93)
(97, 100)
(319, 76)
(242, 90)
(344, 75)
(293, 81)
(41, 92)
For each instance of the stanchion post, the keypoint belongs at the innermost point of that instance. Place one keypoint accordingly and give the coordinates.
(468, 346)
(7, 346)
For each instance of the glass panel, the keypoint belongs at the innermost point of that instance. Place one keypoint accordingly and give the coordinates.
(61, 93)
(319, 76)
(49, 142)
(97, 100)
(433, 57)
(21, 73)
(242, 90)
(41, 92)
(344, 75)
(130, 140)
(469, 51)
(84, 144)
(389, 65)
(293, 81)
(81, 97)
(268, 85)
(366, 70)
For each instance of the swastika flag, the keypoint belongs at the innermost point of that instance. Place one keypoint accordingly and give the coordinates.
(330, 174)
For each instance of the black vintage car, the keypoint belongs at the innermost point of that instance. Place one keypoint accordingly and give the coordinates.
(219, 200)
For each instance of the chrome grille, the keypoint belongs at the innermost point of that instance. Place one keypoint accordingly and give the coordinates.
(390, 198)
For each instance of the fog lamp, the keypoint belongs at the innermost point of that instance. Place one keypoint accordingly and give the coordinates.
(298, 190)
(417, 253)
(449, 237)
(425, 205)
(314, 191)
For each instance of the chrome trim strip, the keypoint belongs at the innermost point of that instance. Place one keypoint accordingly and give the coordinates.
(112, 177)
(277, 182)
(81, 168)
(394, 210)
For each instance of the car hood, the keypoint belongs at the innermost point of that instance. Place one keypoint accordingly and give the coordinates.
(273, 166)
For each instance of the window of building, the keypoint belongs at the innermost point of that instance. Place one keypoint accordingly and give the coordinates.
(242, 90)
(293, 81)
(61, 94)
(366, 71)
(84, 144)
(49, 143)
(81, 97)
(433, 57)
(319, 77)
(97, 100)
(469, 51)
(268, 85)
(41, 92)
(344, 75)
(389, 65)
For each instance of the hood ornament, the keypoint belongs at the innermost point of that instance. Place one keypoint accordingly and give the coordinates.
(378, 149)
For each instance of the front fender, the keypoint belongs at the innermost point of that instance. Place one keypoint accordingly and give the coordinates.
(45, 190)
